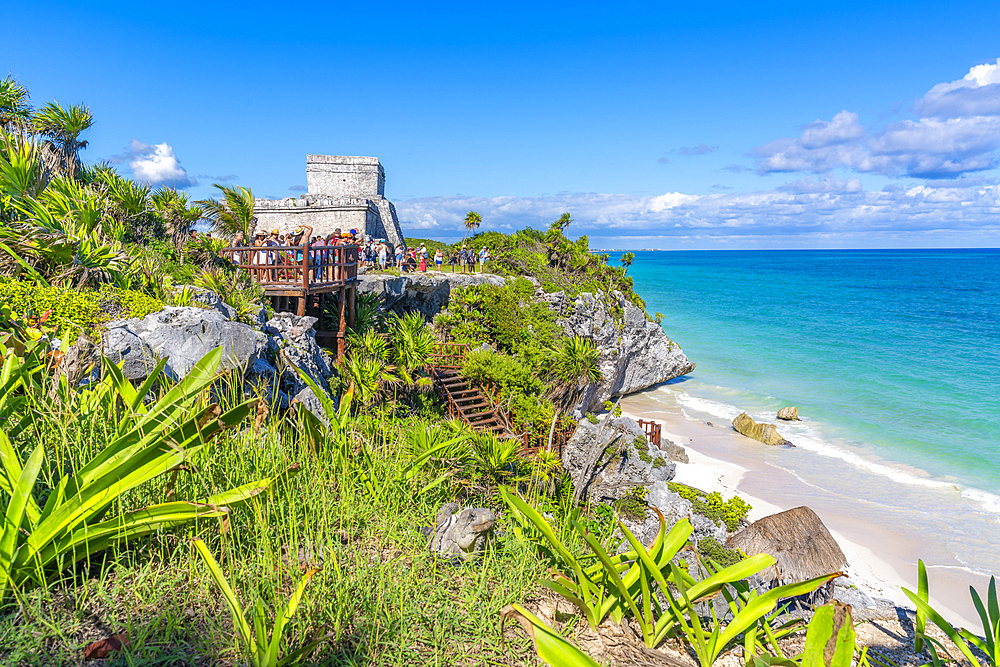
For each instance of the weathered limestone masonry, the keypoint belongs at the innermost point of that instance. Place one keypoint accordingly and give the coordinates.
(344, 192)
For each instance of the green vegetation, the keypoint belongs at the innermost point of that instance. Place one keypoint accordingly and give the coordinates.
(710, 549)
(121, 245)
(632, 505)
(537, 370)
(156, 510)
(731, 512)
(75, 311)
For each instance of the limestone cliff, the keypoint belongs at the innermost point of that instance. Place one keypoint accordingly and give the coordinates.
(427, 293)
(635, 353)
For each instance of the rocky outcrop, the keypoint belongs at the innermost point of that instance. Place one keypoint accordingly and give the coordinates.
(461, 533)
(611, 458)
(427, 293)
(183, 335)
(295, 337)
(790, 414)
(673, 451)
(635, 353)
(766, 433)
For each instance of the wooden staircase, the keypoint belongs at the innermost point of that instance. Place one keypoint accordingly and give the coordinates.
(466, 401)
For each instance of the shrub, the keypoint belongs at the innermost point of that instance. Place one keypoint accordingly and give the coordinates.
(519, 388)
(633, 504)
(76, 311)
(507, 317)
(711, 505)
(710, 548)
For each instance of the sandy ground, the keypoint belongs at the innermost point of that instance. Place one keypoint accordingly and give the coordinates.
(881, 560)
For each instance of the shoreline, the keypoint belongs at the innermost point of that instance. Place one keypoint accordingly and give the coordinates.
(882, 556)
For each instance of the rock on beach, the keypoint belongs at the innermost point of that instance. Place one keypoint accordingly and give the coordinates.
(790, 414)
(766, 433)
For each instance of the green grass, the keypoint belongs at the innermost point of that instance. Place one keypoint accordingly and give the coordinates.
(380, 596)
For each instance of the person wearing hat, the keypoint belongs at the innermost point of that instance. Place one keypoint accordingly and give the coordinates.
(423, 258)
(300, 239)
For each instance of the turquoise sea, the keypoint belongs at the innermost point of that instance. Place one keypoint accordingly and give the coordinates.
(891, 356)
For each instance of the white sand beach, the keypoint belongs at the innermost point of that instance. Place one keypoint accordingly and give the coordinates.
(881, 558)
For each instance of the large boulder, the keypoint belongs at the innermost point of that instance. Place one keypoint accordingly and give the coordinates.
(183, 335)
(766, 433)
(608, 459)
(427, 293)
(801, 545)
(790, 414)
(295, 338)
(635, 352)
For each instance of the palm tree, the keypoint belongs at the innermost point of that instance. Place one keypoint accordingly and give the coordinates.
(627, 260)
(177, 212)
(63, 127)
(472, 221)
(15, 111)
(232, 217)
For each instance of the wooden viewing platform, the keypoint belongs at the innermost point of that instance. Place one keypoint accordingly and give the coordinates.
(300, 279)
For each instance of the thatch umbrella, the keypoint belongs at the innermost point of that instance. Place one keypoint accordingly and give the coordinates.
(798, 540)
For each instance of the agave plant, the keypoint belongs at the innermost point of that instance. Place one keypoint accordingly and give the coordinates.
(635, 584)
(41, 539)
(22, 173)
(966, 641)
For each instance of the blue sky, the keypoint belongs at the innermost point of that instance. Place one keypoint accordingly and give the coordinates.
(656, 125)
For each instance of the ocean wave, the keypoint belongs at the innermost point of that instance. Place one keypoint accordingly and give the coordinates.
(714, 408)
(989, 501)
(808, 438)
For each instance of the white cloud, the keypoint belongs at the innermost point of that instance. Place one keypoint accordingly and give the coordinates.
(975, 94)
(958, 132)
(156, 164)
(826, 210)
(823, 185)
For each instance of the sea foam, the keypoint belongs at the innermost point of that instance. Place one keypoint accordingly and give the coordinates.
(805, 436)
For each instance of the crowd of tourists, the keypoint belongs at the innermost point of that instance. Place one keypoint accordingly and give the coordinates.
(281, 254)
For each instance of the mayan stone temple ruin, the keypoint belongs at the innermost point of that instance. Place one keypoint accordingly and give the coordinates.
(343, 192)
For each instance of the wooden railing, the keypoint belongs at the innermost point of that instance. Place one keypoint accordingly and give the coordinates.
(448, 355)
(535, 442)
(296, 267)
(652, 430)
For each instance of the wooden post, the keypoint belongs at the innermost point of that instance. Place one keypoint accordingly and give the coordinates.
(342, 329)
(352, 295)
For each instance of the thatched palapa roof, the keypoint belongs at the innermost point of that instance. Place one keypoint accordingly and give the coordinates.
(798, 540)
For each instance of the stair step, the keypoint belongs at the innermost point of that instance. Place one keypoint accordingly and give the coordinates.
(479, 414)
(466, 391)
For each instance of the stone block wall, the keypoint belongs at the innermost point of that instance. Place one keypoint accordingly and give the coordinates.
(344, 176)
(344, 192)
